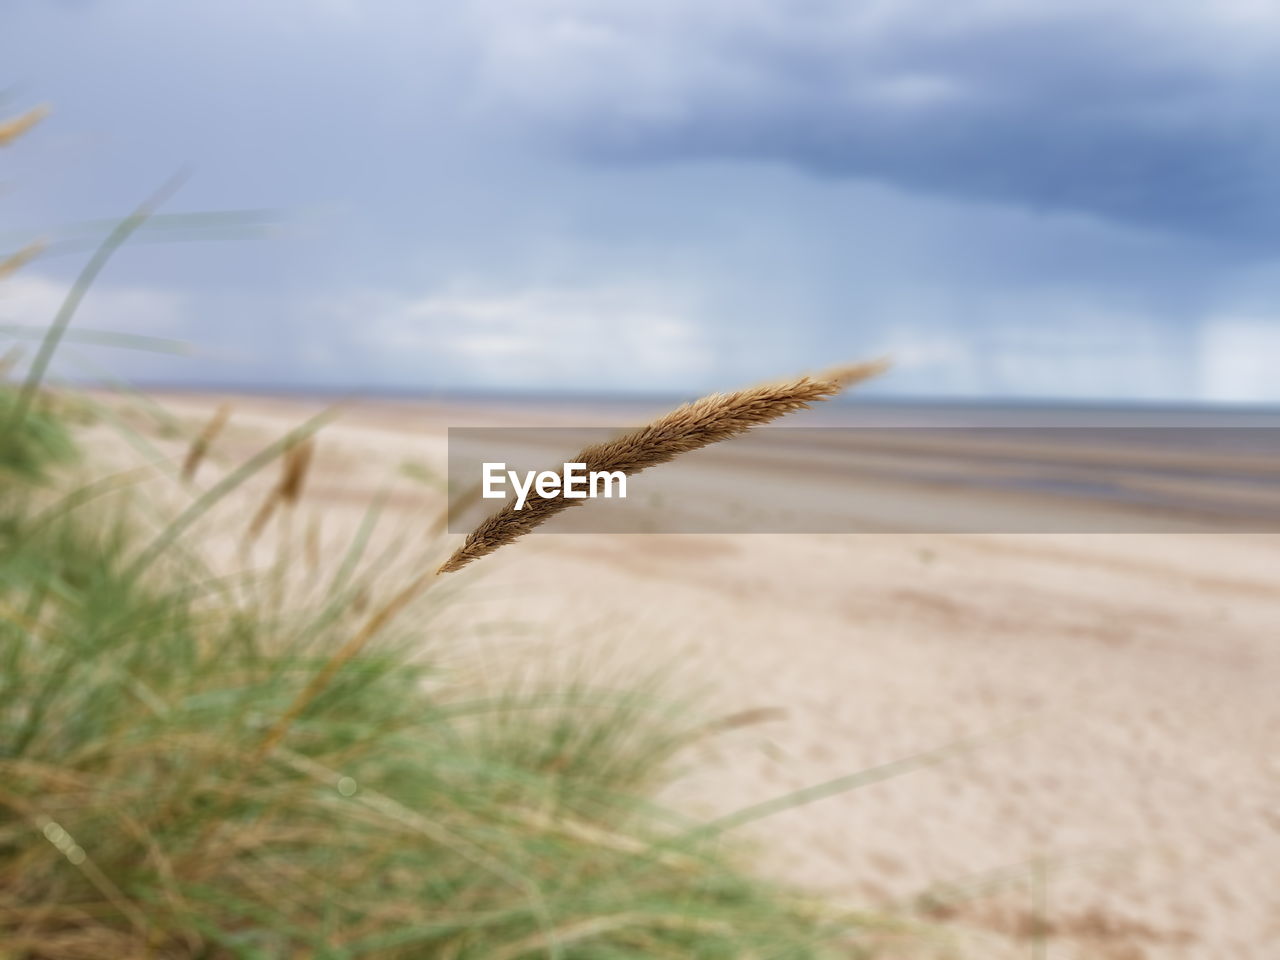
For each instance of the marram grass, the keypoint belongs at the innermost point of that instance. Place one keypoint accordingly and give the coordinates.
(190, 771)
(176, 783)
(32, 446)
(709, 420)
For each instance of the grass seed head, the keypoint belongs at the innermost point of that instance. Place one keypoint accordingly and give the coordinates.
(709, 420)
(20, 258)
(293, 472)
(200, 445)
(297, 461)
(11, 130)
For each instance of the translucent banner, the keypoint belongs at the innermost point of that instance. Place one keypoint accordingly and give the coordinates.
(843, 479)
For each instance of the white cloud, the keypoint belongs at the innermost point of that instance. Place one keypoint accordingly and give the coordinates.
(32, 300)
(928, 361)
(601, 337)
(29, 301)
(1238, 360)
(1042, 349)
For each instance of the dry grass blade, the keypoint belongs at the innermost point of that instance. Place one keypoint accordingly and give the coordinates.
(19, 259)
(742, 718)
(690, 427)
(11, 130)
(293, 472)
(200, 445)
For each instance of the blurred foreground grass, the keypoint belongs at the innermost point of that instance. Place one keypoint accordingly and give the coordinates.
(191, 769)
(167, 789)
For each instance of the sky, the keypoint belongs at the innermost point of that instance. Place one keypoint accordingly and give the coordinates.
(1064, 199)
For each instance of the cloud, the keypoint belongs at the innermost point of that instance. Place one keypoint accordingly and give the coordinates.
(140, 319)
(1154, 114)
(1079, 350)
(1237, 360)
(780, 183)
(594, 337)
(32, 299)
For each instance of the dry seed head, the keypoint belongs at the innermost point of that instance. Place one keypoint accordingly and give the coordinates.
(297, 461)
(19, 259)
(200, 445)
(698, 424)
(293, 471)
(264, 513)
(854, 373)
(11, 130)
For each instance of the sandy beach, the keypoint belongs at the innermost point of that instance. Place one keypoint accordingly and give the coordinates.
(1093, 717)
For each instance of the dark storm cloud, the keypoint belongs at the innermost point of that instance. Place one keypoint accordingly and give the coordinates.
(1165, 122)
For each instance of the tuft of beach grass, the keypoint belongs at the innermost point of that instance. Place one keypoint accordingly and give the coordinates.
(195, 770)
(701, 423)
(190, 770)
